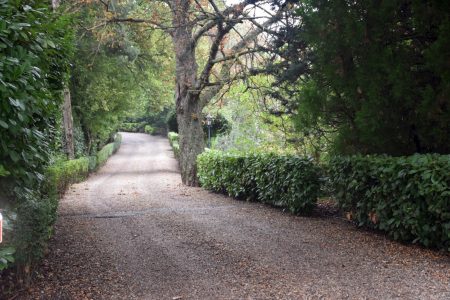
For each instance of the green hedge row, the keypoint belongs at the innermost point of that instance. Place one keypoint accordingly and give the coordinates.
(60, 175)
(36, 216)
(281, 180)
(408, 197)
(173, 141)
(107, 151)
(104, 154)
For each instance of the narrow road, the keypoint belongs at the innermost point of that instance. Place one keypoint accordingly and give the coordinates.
(133, 231)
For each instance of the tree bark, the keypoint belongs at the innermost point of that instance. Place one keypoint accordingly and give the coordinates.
(188, 107)
(68, 124)
(192, 92)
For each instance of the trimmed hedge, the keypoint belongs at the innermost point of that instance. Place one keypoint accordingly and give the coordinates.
(60, 175)
(173, 141)
(104, 154)
(281, 180)
(36, 216)
(108, 150)
(408, 197)
(28, 234)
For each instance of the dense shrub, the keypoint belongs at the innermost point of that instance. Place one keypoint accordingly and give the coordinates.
(408, 197)
(173, 137)
(281, 180)
(133, 127)
(108, 150)
(38, 213)
(173, 141)
(62, 174)
(149, 129)
(104, 154)
(36, 46)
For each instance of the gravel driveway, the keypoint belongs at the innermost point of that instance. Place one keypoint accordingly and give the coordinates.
(133, 231)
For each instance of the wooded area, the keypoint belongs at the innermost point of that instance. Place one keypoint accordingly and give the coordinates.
(317, 79)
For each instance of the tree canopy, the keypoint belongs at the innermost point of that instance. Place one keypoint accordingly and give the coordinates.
(371, 75)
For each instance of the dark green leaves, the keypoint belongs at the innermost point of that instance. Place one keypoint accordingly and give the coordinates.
(408, 197)
(281, 180)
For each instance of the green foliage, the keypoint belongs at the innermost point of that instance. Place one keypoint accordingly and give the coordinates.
(62, 174)
(3, 171)
(408, 197)
(104, 154)
(171, 121)
(173, 137)
(92, 163)
(6, 257)
(374, 73)
(281, 180)
(37, 214)
(108, 150)
(117, 142)
(248, 125)
(219, 125)
(149, 129)
(35, 49)
(173, 141)
(121, 71)
(36, 46)
(133, 127)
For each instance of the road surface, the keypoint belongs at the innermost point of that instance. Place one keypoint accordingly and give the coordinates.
(133, 231)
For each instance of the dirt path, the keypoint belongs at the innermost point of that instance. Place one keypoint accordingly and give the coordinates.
(132, 231)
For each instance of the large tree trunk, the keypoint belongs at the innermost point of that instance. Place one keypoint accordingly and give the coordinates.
(188, 106)
(68, 124)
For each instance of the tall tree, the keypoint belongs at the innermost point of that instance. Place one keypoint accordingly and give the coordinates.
(195, 87)
(374, 72)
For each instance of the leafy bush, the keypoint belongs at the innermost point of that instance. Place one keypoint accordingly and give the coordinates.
(108, 150)
(149, 129)
(173, 141)
(6, 257)
(62, 174)
(104, 154)
(281, 180)
(173, 137)
(36, 46)
(133, 127)
(408, 197)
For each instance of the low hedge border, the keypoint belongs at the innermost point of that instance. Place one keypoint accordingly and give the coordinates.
(407, 197)
(173, 141)
(108, 150)
(32, 223)
(60, 175)
(282, 180)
